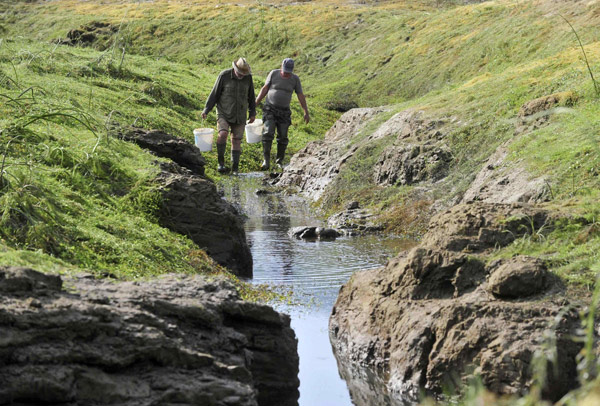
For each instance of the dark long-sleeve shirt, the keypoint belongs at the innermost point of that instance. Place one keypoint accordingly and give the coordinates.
(233, 97)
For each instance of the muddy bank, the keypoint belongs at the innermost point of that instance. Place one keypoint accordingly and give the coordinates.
(441, 312)
(413, 149)
(174, 340)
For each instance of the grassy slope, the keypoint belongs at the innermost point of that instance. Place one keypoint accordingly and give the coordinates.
(474, 65)
(75, 197)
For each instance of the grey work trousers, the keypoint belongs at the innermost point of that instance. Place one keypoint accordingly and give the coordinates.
(270, 126)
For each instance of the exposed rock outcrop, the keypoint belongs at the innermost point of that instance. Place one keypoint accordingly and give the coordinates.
(536, 113)
(191, 204)
(518, 277)
(314, 167)
(504, 180)
(88, 34)
(417, 152)
(437, 314)
(167, 146)
(412, 163)
(480, 226)
(410, 149)
(193, 207)
(354, 221)
(174, 340)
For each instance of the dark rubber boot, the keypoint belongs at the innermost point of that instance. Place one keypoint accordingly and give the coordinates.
(266, 156)
(235, 161)
(280, 154)
(221, 158)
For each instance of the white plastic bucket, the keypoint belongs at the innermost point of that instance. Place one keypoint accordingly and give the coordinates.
(254, 132)
(204, 138)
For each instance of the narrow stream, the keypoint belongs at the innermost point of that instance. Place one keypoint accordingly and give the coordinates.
(313, 271)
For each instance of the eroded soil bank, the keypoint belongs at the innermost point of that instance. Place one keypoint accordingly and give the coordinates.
(444, 311)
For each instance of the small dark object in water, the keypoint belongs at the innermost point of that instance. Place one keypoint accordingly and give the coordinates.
(327, 233)
(309, 234)
(314, 233)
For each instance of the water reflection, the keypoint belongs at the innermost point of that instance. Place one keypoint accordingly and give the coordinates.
(314, 271)
(367, 388)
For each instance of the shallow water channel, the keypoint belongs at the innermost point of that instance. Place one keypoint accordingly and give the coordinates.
(313, 271)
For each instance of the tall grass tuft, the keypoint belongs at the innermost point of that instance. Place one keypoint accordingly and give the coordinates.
(585, 58)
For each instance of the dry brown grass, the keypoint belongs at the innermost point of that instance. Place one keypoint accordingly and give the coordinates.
(409, 219)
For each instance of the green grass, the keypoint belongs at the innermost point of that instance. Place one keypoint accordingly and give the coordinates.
(470, 66)
(73, 194)
(372, 54)
(74, 197)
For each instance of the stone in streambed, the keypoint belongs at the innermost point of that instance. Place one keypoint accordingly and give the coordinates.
(327, 233)
(303, 232)
(314, 233)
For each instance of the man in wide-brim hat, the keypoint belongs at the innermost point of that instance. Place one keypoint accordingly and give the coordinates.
(233, 93)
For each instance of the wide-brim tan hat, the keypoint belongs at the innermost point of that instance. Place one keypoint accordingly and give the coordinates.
(242, 67)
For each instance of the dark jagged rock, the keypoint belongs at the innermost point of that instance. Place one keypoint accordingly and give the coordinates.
(192, 206)
(429, 321)
(174, 340)
(352, 205)
(167, 146)
(326, 234)
(88, 34)
(303, 232)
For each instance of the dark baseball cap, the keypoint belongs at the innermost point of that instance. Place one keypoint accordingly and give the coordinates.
(288, 65)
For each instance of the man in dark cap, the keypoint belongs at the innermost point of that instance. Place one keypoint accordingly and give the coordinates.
(279, 87)
(233, 93)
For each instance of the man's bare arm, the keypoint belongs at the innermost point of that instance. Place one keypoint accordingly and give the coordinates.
(302, 101)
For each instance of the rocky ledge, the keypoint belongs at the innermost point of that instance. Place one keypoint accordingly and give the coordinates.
(167, 146)
(193, 207)
(438, 314)
(190, 203)
(177, 340)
